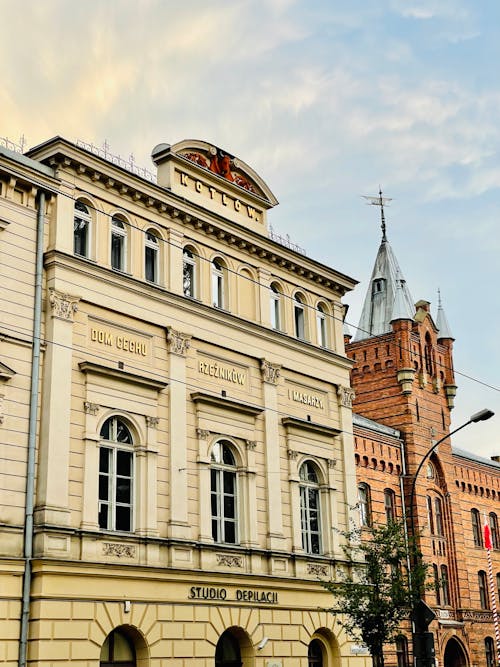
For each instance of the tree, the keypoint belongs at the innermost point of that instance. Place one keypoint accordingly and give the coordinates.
(379, 588)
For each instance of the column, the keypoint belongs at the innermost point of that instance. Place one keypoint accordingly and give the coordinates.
(345, 396)
(53, 462)
(146, 457)
(178, 345)
(204, 512)
(270, 378)
(90, 520)
(174, 262)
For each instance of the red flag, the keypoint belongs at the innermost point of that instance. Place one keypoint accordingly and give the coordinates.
(487, 535)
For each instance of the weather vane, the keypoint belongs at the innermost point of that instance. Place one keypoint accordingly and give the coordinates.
(379, 201)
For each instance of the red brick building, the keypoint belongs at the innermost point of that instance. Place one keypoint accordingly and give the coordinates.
(404, 391)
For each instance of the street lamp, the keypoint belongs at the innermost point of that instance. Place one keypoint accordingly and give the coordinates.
(423, 641)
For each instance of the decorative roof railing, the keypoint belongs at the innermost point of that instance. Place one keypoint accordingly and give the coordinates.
(285, 241)
(106, 154)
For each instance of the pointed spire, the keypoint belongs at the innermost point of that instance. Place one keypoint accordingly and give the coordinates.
(442, 321)
(388, 297)
(401, 310)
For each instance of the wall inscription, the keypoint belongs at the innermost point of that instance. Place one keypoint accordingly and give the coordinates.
(239, 595)
(118, 341)
(222, 371)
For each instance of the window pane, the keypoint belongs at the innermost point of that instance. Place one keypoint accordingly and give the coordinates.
(103, 487)
(229, 532)
(124, 463)
(229, 507)
(103, 515)
(122, 433)
(123, 490)
(229, 480)
(123, 518)
(104, 456)
(151, 264)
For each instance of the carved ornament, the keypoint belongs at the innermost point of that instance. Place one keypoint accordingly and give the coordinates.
(317, 569)
(118, 550)
(152, 422)
(63, 306)
(90, 408)
(346, 396)
(229, 560)
(178, 343)
(270, 372)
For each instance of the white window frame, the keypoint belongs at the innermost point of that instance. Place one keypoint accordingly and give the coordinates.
(321, 328)
(275, 306)
(220, 470)
(189, 263)
(299, 317)
(364, 505)
(85, 219)
(306, 486)
(118, 231)
(151, 243)
(114, 446)
(218, 284)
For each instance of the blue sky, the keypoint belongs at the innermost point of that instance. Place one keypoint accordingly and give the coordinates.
(325, 100)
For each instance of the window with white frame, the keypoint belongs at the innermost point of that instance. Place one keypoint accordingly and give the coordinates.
(482, 580)
(189, 272)
(390, 505)
(310, 518)
(275, 304)
(118, 244)
(81, 230)
(476, 527)
(151, 253)
(116, 472)
(218, 287)
(364, 501)
(321, 325)
(224, 493)
(299, 317)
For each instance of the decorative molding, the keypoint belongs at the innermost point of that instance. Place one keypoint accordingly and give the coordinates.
(332, 463)
(306, 425)
(202, 433)
(90, 408)
(250, 444)
(6, 373)
(317, 569)
(139, 379)
(178, 343)
(292, 454)
(227, 403)
(346, 396)
(118, 550)
(270, 372)
(2, 416)
(4, 223)
(477, 616)
(63, 306)
(152, 422)
(229, 560)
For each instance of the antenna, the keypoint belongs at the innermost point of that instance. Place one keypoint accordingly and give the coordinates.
(379, 201)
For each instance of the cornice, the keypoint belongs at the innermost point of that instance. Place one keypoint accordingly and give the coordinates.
(305, 425)
(226, 403)
(67, 156)
(90, 367)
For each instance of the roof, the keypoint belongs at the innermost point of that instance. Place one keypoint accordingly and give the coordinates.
(387, 298)
(473, 457)
(364, 422)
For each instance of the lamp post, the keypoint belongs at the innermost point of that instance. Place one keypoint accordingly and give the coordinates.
(423, 641)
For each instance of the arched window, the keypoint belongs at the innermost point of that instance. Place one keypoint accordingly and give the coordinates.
(275, 304)
(315, 654)
(489, 651)
(227, 651)
(218, 286)
(117, 650)
(321, 330)
(430, 515)
(118, 244)
(116, 469)
(310, 508)
(498, 585)
(81, 230)
(429, 366)
(402, 651)
(438, 505)
(364, 499)
(189, 272)
(437, 587)
(445, 589)
(224, 493)
(299, 317)
(484, 600)
(389, 505)
(493, 521)
(151, 252)
(476, 527)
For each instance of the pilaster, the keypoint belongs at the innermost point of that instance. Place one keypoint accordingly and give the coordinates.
(178, 345)
(270, 379)
(174, 262)
(53, 468)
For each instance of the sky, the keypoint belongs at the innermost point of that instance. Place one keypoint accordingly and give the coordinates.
(326, 100)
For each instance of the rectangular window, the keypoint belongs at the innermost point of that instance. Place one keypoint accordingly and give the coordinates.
(115, 489)
(151, 271)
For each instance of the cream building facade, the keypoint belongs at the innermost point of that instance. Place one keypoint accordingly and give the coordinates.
(188, 424)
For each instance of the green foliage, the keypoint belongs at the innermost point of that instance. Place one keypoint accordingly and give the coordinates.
(379, 589)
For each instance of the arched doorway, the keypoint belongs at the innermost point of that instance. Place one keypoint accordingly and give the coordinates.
(227, 651)
(118, 650)
(454, 654)
(315, 654)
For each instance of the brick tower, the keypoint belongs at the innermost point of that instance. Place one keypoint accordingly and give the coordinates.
(403, 378)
